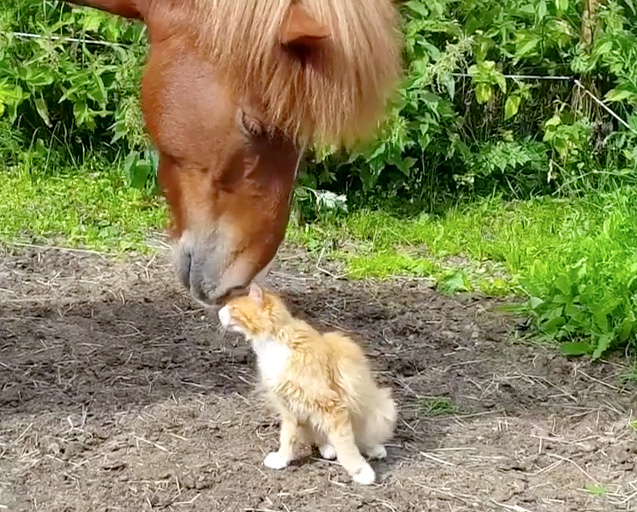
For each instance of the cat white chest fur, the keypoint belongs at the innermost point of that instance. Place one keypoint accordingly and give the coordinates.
(272, 356)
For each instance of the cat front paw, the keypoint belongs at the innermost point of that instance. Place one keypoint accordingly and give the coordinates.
(327, 451)
(275, 461)
(376, 452)
(365, 475)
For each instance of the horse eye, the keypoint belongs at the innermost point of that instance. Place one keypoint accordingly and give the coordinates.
(251, 125)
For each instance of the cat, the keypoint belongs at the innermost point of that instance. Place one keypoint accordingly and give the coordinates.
(321, 385)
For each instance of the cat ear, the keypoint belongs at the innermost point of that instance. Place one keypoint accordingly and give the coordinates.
(256, 292)
(300, 28)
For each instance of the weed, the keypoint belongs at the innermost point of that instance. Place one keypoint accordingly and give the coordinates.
(386, 263)
(629, 374)
(574, 260)
(437, 406)
(455, 281)
(597, 490)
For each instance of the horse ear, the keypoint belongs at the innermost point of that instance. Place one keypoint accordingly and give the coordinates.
(300, 28)
(256, 292)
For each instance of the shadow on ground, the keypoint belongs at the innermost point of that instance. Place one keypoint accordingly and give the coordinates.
(118, 393)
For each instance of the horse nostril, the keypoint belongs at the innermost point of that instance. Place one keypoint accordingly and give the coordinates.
(185, 264)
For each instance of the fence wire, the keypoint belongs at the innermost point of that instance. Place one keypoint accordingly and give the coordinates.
(26, 35)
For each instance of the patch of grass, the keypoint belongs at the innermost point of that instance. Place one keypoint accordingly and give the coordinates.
(629, 374)
(437, 406)
(386, 263)
(88, 208)
(575, 260)
(597, 490)
(633, 425)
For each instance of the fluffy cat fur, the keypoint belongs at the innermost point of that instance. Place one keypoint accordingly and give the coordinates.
(321, 384)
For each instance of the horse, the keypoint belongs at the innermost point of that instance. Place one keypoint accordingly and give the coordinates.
(232, 93)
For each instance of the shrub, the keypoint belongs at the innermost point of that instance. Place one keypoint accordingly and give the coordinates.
(460, 125)
(66, 95)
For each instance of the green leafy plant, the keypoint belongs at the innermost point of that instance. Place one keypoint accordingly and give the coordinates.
(597, 489)
(589, 301)
(463, 97)
(311, 204)
(485, 77)
(437, 406)
(58, 87)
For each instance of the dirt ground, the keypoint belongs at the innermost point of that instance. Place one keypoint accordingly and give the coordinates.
(119, 393)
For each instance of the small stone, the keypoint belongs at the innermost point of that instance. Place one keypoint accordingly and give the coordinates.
(587, 447)
(187, 482)
(111, 464)
(54, 448)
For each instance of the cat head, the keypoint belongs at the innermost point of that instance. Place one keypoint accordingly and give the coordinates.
(258, 314)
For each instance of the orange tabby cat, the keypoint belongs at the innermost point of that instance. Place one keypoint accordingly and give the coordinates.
(321, 385)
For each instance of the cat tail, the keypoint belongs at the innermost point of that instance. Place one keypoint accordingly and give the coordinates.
(381, 419)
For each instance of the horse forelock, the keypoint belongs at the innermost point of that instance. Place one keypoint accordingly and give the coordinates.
(332, 93)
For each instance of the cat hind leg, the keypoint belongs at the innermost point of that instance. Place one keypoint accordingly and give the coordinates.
(380, 422)
(327, 451)
(341, 437)
(320, 440)
(375, 452)
(376, 425)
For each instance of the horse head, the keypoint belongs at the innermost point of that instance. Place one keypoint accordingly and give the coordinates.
(232, 92)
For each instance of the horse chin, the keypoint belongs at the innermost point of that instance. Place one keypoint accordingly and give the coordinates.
(261, 276)
(236, 280)
(203, 268)
(224, 293)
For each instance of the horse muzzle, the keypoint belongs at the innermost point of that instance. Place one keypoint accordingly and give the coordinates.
(208, 269)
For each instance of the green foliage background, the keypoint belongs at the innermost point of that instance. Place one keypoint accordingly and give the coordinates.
(65, 101)
(451, 134)
(446, 134)
(468, 122)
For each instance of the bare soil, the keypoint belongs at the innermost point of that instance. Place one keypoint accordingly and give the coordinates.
(119, 393)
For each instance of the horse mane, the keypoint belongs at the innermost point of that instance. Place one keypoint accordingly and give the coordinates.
(333, 93)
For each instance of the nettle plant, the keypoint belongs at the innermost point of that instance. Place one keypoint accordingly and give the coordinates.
(459, 102)
(589, 303)
(455, 106)
(61, 91)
